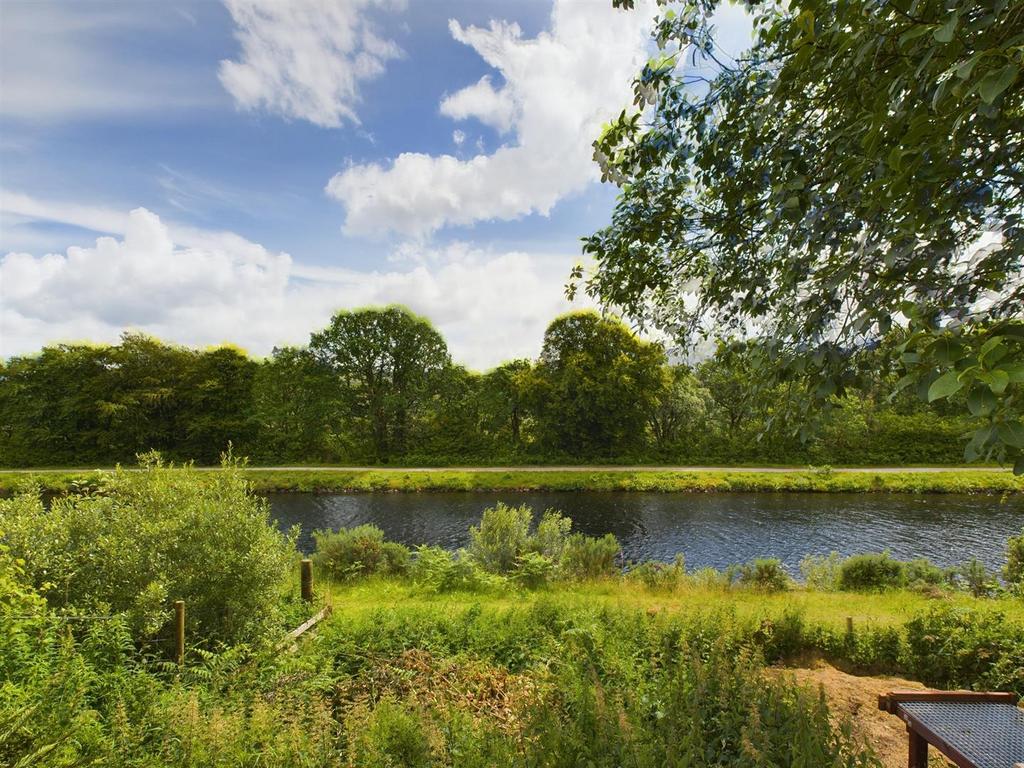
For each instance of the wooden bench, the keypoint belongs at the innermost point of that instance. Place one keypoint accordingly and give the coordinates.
(974, 730)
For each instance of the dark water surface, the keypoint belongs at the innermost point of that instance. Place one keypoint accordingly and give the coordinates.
(713, 529)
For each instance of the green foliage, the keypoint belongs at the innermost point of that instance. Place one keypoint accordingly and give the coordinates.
(821, 571)
(439, 570)
(589, 557)
(388, 363)
(146, 538)
(359, 551)
(1013, 572)
(595, 386)
(551, 534)
(977, 579)
(660, 577)
(79, 404)
(76, 405)
(501, 538)
(534, 570)
(392, 737)
(871, 572)
(824, 203)
(954, 648)
(765, 574)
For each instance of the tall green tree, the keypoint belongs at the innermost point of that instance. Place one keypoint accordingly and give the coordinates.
(297, 406)
(595, 385)
(680, 409)
(860, 167)
(388, 362)
(505, 393)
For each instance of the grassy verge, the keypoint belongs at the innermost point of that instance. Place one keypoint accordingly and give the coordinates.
(702, 481)
(827, 609)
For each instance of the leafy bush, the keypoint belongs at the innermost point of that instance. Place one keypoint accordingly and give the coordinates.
(439, 570)
(871, 572)
(552, 531)
(588, 557)
(953, 648)
(145, 538)
(501, 538)
(919, 573)
(359, 551)
(534, 570)
(976, 578)
(766, 574)
(711, 579)
(821, 571)
(660, 577)
(391, 737)
(1013, 572)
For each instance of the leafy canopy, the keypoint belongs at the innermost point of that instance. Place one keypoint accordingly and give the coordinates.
(859, 168)
(388, 361)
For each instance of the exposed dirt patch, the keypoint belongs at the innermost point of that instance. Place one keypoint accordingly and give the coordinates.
(857, 698)
(475, 687)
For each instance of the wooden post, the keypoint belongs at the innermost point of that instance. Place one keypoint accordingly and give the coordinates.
(849, 627)
(917, 753)
(307, 581)
(179, 631)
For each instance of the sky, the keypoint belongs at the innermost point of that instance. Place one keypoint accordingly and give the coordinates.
(236, 172)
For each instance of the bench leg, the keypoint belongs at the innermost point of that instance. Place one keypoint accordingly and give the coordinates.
(917, 754)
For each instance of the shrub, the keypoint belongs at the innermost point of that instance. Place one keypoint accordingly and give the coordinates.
(587, 557)
(871, 572)
(1013, 572)
(710, 578)
(501, 538)
(359, 551)
(534, 570)
(951, 648)
(662, 577)
(145, 538)
(765, 574)
(439, 570)
(976, 578)
(821, 571)
(391, 737)
(552, 531)
(920, 572)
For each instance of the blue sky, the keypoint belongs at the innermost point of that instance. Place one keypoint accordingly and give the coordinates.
(235, 172)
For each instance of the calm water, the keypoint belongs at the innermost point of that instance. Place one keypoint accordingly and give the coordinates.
(709, 529)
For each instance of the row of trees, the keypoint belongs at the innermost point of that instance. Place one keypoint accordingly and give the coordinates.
(379, 386)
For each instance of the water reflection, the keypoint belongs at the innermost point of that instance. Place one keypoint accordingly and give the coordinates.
(709, 529)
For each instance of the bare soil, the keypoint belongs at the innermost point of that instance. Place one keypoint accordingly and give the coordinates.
(857, 698)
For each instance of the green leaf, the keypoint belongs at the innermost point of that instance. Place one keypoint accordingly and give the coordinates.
(981, 401)
(945, 33)
(989, 345)
(947, 384)
(1018, 466)
(1012, 433)
(994, 83)
(997, 381)
(1015, 371)
(965, 69)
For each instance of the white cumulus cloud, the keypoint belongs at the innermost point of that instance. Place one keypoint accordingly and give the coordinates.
(220, 287)
(306, 59)
(556, 90)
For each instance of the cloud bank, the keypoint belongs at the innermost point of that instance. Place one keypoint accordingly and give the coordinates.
(306, 59)
(556, 90)
(200, 288)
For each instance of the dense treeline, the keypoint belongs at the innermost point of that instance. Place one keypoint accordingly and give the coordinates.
(378, 386)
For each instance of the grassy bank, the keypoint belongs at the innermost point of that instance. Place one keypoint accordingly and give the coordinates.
(828, 610)
(695, 481)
